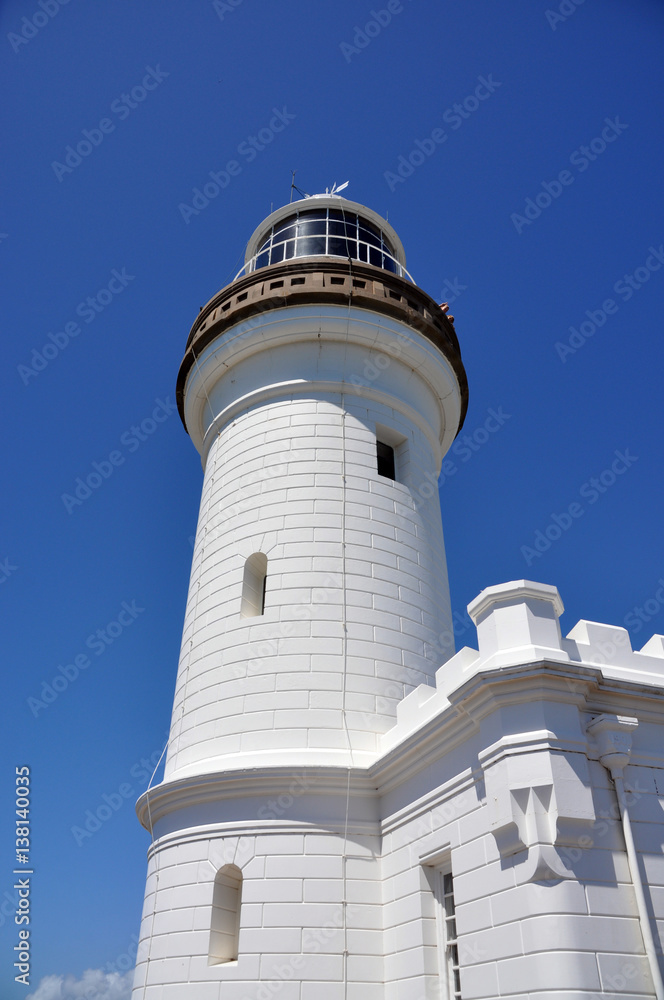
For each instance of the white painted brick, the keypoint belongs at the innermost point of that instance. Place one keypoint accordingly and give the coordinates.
(610, 934)
(321, 968)
(468, 857)
(272, 844)
(252, 915)
(280, 890)
(481, 981)
(259, 940)
(320, 991)
(523, 901)
(274, 740)
(181, 945)
(407, 964)
(168, 970)
(611, 899)
(552, 970)
(323, 891)
(473, 916)
(363, 891)
(365, 968)
(479, 883)
(299, 914)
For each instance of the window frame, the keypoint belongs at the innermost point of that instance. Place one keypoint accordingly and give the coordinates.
(449, 969)
(363, 241)
(224, 939)
(254, 585)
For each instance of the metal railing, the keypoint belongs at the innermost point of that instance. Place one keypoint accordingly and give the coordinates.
(400, 271)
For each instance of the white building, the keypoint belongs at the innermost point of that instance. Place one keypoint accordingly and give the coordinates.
(349, 809)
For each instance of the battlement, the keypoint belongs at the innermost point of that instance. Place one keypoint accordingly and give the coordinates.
(517, 624)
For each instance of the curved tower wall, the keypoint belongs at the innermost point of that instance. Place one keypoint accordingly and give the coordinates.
(357, 609)
(266, 829)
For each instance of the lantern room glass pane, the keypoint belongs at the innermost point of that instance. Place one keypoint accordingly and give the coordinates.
(342, 248)
(311, 227)
(310, 246)
(326, 232)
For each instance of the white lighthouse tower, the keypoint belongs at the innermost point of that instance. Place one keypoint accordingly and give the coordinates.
(350, 810)
(321, 388)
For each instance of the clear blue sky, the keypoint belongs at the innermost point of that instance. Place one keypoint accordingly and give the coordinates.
(204, 81)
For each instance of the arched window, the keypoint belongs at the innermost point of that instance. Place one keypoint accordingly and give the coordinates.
(253, 586)
(225, 924)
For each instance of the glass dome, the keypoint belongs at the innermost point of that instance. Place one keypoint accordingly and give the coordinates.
(326, 231)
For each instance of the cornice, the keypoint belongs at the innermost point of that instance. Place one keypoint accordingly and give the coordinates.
(308, 280)
(457, 722)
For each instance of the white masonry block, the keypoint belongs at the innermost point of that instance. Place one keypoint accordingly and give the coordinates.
(518, 622)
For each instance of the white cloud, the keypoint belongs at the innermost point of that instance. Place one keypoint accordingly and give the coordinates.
(94, 984)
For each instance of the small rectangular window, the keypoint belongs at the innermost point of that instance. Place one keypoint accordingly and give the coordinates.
(385, 460)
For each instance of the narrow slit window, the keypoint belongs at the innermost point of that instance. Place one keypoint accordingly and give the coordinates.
(385, 460)
(448, 949)
(225, 921)
(254, 585)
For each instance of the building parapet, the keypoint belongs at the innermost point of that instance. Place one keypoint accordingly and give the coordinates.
(517, 624)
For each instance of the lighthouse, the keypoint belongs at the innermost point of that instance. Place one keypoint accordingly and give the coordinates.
(322, 388)
(350, 809)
